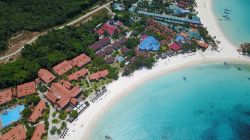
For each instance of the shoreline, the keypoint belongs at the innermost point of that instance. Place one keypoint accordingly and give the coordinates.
(82, 127)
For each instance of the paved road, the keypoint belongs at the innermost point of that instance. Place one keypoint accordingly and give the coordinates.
(68, 24)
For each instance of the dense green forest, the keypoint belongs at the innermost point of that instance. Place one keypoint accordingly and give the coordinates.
(51, 49)
(36, 15)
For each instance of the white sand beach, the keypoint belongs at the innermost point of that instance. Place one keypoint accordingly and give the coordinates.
(80, 129)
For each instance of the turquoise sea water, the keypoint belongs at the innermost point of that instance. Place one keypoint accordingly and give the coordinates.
(213, 103)
(11, 115)
(238, 29)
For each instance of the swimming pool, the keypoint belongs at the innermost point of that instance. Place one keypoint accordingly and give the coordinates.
(11, 115)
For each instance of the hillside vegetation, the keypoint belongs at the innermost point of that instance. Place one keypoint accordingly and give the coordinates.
(36, 15)
(51, 49)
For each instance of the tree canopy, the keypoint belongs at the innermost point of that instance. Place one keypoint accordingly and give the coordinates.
(49, 50)
(36, 15)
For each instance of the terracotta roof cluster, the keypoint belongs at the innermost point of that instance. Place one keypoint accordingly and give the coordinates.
(46, 76)
(124, 50)
(80, 60)
(26, 89)
(109, 28)
(98, 75)
(39, 131)
(110, 60)
(62, 67)
(100, 44)
(78, 74)
(16, 133)
(62, 92)
(6, 95)
(37, 112)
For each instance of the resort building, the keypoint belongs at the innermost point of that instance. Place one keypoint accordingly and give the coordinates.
(101, 54)
(175, 47)
(62, 94)
(100, 44)
(172, 19)
(80, 60)
(125, 50)
(39, 132)
(62, 67)
(202, 44)
(6, 95)
(46, 76)
(37, 112)
(78, 74)
(26, 89)
(110, 29)
(177, 10)
(180, 39)
(149, 43)
(16, 133)
(110, 60)
(116, 45)
(98, 75)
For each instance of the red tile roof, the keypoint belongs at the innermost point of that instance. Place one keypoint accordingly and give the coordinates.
(46, 76)
(78, 74)
(98, 75)
(80, 60)
(63, 93)
(175, 47)
(39, 131)
(51, 97)
(73, 101)
(37, 112)
(66, 84)
(62, 67)
(109, 28)
(26, 89)
(100, 44)
(16, 133)
(6, 95)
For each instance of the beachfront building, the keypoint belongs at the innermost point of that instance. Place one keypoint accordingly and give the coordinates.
(76, 75)
(98, 75)
(63, 94)
(180, 39)
(172, 19)
(175, 47)
(26, 89)
(80, 60)
(178, 10)
(6, 95)
(39, 132)
(37, 112)
(16, 133)
(46, 76)
(100, 44)
(202, 44)
(62, 67)
(149, 43)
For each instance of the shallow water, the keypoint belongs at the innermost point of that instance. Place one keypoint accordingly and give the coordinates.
(238, 29)
(211, 102)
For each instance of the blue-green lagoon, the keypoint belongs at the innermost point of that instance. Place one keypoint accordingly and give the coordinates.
(236, 29)
(205, 102)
